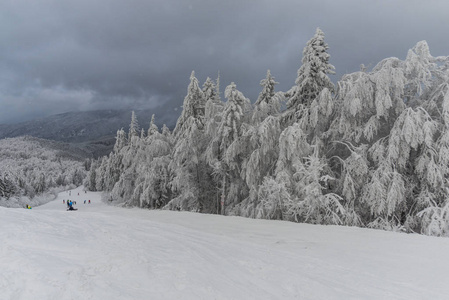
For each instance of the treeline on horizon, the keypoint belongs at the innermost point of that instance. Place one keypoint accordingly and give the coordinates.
(370, 151)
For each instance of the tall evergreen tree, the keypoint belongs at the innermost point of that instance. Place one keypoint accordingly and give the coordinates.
(155, 170)
(224, 152)
(133, 126)
(193, 106)
(189, 167)
(90, 182)
(266, 104)
(152, 129)
(312, 75)
(213, 109)
(260, 143)
(120, 140)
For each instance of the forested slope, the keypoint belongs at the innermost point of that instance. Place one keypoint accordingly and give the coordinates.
(30, 168)
(372, 150)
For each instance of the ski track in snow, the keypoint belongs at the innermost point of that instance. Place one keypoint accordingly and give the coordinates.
(106, 252)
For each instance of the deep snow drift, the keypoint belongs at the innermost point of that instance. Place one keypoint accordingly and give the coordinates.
(104, 252)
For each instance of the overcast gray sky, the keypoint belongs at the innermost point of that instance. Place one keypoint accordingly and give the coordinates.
(58, 56)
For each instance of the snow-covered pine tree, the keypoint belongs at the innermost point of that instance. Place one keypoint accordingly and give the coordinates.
(120, 140)
(301, 175)
(217, 86)
(193, 105)
(190, 182)
(260, 143)
(123, 189)
(275, 191)
(109, 170)
(103, 175)
(312, 77)
(90, 183)
(157, 174)
(153, 127)
(223, 153)
(213, 107)
(133, 126)
(166, 131)
(420, 68)
(266, 104)
(130, 155)
(210, 92)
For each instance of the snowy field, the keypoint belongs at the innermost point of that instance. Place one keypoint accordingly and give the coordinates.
(104, 252)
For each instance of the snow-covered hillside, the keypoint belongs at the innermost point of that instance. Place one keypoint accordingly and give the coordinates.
(32, 168)
(105, 252)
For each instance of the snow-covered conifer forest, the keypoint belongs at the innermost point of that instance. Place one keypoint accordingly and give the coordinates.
(33, 170)
(371, 150)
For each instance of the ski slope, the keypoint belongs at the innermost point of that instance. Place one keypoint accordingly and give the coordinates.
(105, 252)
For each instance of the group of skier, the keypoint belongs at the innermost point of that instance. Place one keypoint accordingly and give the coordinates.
(70, 203)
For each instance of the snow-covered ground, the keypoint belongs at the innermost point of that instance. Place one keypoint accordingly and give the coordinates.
(105, 252)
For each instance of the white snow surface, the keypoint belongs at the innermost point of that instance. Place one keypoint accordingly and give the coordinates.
(107, 252)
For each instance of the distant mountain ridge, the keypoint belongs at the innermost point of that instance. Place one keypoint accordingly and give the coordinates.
(77, 127)
(95, 129)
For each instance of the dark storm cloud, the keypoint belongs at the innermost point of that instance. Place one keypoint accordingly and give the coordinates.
(58, 56)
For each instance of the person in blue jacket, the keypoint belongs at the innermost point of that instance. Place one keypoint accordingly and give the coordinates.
(71, 205)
